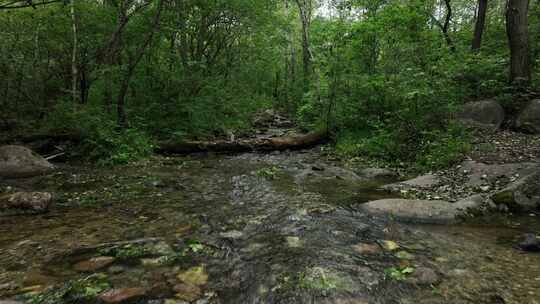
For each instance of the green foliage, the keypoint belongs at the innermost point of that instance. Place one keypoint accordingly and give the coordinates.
(127, 252)
(399, 273)
(269, 172)
(114, 147)
(75, 291)
(381, 76)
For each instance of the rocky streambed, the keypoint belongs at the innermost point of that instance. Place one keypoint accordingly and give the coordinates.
(284, 227)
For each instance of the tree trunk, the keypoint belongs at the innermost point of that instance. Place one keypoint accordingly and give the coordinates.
(132, 64)
(518, 39)
(446, 26)
(305, 8)
(480, 24)
(245, 145)
(74, 70)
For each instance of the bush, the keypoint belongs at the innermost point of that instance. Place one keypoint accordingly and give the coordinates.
(102, 140)
(113, 147)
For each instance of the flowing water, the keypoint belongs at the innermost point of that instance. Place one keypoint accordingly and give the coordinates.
(251, 228)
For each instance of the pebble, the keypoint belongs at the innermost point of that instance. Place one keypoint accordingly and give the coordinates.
(94, 264)
(119, 295)
(187, 292)
(389, 245)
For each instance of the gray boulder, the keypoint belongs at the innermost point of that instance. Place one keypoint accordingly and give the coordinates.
(377, 173)
(18, 162)
(523, 194)
(529, 119)
(421, 182)
(33, 202)
(417, 211)
(485, 115)
(480, 173)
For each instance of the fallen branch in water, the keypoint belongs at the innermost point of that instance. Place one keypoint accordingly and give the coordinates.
(245, 145)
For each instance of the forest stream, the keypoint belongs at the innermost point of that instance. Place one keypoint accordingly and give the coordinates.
(250, 228)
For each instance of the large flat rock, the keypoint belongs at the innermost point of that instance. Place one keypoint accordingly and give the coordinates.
(479, 173)
(424, 181)
(418, 211)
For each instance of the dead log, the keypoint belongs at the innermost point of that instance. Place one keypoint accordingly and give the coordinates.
(245, 145)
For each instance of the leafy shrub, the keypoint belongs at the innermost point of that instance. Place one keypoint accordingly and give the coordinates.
(102, 140)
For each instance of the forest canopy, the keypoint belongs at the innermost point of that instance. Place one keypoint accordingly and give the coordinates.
(383, 77)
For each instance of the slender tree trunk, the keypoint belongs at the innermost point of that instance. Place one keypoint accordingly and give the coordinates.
(446, 26)
(518, 39)
(74, 69)
(132, 64)
(480, 24)
(305, 8)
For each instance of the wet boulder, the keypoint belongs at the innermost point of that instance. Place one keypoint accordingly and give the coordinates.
(26, 202)
(416, 211)
(19, 162)
(421, 182)
(529, 119)
(378, 173)
(529, 242)
(523, 194)
(94, 264)
(484, 115)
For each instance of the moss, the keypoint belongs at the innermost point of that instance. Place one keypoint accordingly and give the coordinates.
(504, 198)
(83, 290)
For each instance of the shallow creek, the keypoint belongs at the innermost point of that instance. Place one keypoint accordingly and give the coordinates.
(252, 228)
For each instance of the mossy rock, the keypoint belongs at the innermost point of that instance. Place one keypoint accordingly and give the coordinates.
(504, 198)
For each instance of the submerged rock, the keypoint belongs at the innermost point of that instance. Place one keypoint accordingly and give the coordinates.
(530, 242)
(188, 292)
(19, 162)
(523, 194)
(364, 248)
(120, 295)
(485, 114)
(94, 264)
(420, 211)
(194, 276)
(35, 202)
(424, 276)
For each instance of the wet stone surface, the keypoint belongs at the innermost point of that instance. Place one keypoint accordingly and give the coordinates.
(274, 228)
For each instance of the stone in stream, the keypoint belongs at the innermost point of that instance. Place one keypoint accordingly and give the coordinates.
(522, 194)
(94, 264)
(34, 202)
(424, 276)
(119, 295)
(529, 119)
(424, 181)
(195, 276)
(485, 115)
(479, 173)
(377, 173)
(530, 242)
(20, 162)
(419, 211)
(364, 248)
(188, 292)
